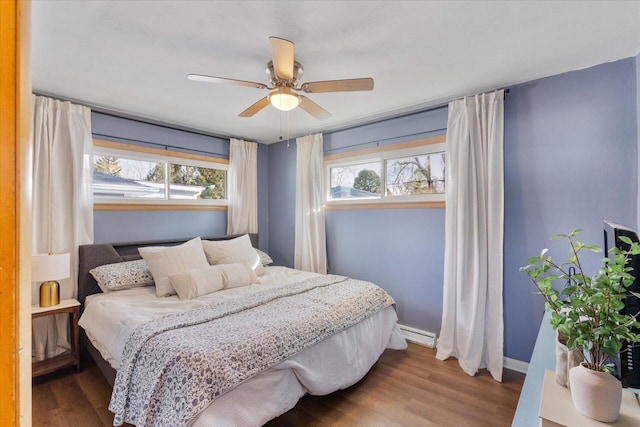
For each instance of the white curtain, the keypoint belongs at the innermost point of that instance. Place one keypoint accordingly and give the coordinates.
(62, 203)
(310, 237)
(472, 327)
(242, 187)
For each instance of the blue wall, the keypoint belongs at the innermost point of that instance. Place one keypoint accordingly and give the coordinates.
(130, 226)
(263, 197)
(570, 162)
(119, 129)
(282, 195)
(122, 226)
(399, 129)
(401, 250)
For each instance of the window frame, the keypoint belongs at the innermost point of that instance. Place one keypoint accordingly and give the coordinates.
(141, 153)
(382, 154)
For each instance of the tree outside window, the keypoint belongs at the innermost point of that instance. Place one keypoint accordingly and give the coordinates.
(119, 177)
(421, 174)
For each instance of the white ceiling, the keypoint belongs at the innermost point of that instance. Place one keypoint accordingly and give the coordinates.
(133, 56)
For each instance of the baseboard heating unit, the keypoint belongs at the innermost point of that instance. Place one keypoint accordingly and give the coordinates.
(418, 336)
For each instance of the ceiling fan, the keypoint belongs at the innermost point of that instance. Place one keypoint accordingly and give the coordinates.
(284, 73)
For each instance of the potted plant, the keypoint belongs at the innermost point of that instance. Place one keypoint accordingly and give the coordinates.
(587, 312)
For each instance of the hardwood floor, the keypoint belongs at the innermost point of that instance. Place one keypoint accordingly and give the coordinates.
(405, 388)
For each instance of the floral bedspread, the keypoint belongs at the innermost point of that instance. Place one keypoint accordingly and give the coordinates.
(174, 367)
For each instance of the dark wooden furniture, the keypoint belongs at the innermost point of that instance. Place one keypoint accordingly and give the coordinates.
(72, 358)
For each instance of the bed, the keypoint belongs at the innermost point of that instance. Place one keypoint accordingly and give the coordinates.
(131, 330)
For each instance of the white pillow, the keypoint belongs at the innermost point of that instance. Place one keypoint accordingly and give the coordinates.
(201, 281)
(122, 275)
(236, 275)
(233, 251)
(196, 282)
(163, 261)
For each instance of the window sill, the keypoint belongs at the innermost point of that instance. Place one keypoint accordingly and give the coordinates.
(156, 207)
(435, 204)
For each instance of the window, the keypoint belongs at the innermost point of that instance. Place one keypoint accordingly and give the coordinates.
(209, 183)
(404, 172)
(361, 180)
(418, 174)
(143, 176)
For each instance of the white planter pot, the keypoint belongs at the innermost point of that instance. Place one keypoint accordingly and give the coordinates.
(565, 360)
(596, 395)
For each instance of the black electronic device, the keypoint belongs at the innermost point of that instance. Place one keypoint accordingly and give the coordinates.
(629, 366)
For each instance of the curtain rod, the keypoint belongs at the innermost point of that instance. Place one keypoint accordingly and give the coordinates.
(132, 117)
(434, 107)
(117, 114)
(378, 141)
(163, 146)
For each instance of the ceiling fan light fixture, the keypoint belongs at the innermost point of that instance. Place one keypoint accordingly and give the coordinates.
(284, 77)
(284, 100)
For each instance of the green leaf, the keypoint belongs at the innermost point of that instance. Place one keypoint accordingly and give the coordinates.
(593, 248)
(556, 320)
(625, 239)
(558, 236)
(533, 260)
(597, 300)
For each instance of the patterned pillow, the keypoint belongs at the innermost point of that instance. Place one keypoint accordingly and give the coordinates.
(122, 275)
(265, 259)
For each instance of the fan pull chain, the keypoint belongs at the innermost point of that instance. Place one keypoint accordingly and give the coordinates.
(288, 129)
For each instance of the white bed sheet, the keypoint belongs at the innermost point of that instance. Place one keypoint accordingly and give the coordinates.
(335, 363)
(110, 318)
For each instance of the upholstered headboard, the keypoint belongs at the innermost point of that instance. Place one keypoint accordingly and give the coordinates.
(92, 256)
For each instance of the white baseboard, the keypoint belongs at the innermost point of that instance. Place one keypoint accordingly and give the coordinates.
(418, 336)
(516, 365)
(429, 339)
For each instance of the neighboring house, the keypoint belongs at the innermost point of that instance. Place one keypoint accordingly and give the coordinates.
(340, 192)
(105, 185)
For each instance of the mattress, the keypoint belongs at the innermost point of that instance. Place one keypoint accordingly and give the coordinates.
(335, 363)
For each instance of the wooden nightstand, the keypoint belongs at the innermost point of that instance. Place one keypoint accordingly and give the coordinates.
(71, 358)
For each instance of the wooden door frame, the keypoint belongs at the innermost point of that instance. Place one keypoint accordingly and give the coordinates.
(15, 211)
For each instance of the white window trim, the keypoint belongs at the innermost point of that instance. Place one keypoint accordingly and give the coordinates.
(382, 157)
(166, 159)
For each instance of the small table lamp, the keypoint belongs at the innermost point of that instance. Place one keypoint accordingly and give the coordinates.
(48, 268)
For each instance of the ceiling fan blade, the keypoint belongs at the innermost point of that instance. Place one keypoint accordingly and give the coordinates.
(282, 54)
(346, 85)
(314, 109)
(212, 79)
(249, 112)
